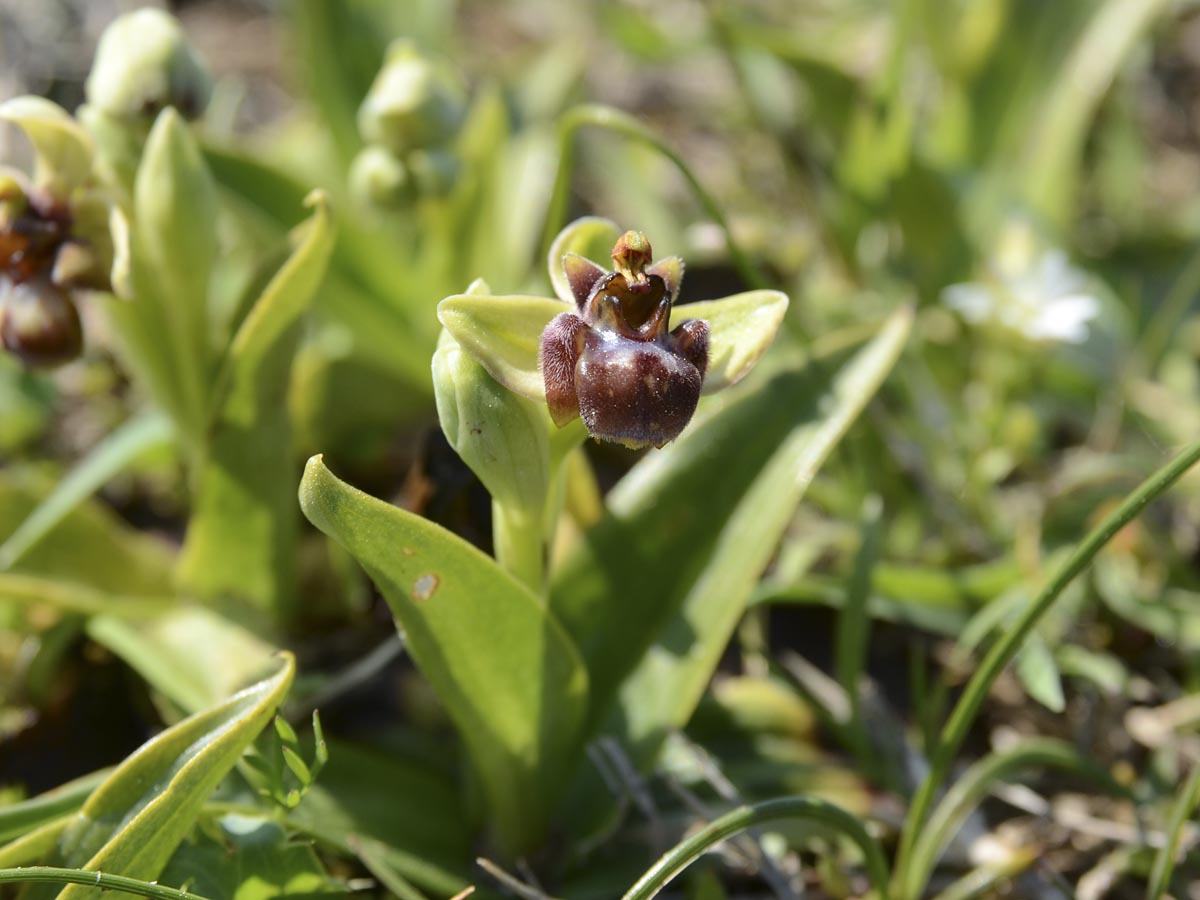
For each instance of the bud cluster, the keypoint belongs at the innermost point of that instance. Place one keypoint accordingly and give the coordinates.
(408, 120)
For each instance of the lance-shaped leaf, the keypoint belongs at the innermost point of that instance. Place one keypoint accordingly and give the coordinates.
(655, 589)
(163, 330)
(508, 674)
(62, 149)
(503, 334)
(242, 531)
(138, 816)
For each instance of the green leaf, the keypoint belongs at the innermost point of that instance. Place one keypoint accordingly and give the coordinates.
(133, 822)
(376, 858)
(109, 457)
(72, 597)
(1038, 672)
(509, 676)
(1164, 861)
(21, 818)
(590, 237)
(89, 546)
(62, 149)
(246, 857)
(1056, 140)
(429, 824)
(341, 53)
(740, 329)
(164, 330)
(654, 591)
(243, 527)
(502, 334)
(973, 786)
(191, 654)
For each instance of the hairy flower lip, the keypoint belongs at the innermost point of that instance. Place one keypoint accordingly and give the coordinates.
(615, 363)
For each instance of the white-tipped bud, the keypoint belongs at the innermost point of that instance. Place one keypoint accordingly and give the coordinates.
(145, 64)
(381, 180)
(414, 103)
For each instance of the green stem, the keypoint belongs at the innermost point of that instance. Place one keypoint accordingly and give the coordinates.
(973, 786)
(1164, 323)
(52, 875)
(622, 123)
(686, 852)
(520, 545)
(1164, 862)
(1003, 651)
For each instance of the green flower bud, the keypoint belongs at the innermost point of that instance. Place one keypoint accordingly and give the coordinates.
(38, 322)
(434, 171)
(379, 179)
(412, 104)
(144, 64)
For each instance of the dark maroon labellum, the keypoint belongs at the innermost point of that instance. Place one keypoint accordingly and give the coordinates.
(38, 322)
(614, 362)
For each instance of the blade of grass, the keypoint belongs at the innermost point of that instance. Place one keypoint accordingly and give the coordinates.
(1007, 647)
(1181, 811)
(981, 881)
(974, 785)
(854, 623)
(598, 116)
(683, 854)
(132, 438)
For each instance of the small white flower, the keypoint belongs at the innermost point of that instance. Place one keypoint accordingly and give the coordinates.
(1038, 294)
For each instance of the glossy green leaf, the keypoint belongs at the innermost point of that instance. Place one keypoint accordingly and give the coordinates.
(139, 435)
(509, 676)
(592, 238)
(654, 591)
(244, 857)
(135, 820)
(243, 529)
